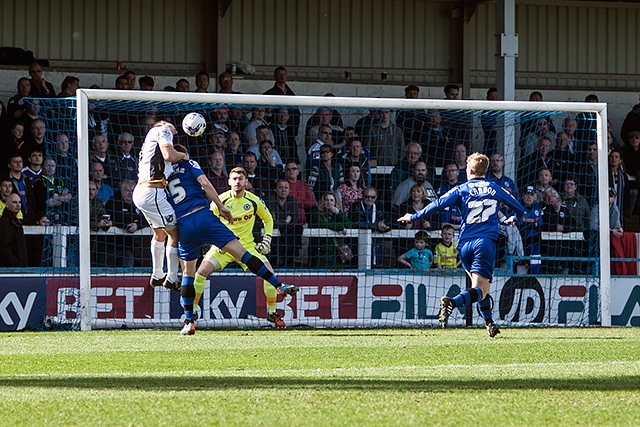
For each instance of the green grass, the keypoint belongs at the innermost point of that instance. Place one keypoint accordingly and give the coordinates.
(388, 377)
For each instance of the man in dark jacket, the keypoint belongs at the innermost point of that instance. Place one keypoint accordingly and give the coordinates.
(13, 248)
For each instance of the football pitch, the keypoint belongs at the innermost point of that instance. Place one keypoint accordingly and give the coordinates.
(380, 377)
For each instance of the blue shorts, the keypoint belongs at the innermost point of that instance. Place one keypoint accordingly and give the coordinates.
(478, 256)
(198, 229)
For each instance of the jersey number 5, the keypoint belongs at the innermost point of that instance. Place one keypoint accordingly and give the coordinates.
(176, 190)
(481, 210)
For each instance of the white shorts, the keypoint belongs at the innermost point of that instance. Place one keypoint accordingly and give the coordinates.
(155, 207)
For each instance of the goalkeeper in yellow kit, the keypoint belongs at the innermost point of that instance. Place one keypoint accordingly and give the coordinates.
(244, 207)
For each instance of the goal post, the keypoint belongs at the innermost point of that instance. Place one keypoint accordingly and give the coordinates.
(508, 116)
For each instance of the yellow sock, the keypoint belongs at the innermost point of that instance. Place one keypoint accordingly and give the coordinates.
(198, 285)
(272, 295)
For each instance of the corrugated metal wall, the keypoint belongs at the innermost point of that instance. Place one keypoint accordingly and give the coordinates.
(334, 33)
(576, 44)
(106, 30)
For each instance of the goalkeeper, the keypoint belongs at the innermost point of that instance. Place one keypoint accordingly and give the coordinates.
(189, 193)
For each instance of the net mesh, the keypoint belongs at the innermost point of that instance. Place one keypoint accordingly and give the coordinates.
(356, 266)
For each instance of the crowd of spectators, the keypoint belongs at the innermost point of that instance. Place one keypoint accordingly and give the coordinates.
(330, 170)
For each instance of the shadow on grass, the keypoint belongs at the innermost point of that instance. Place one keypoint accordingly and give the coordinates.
(626, 383)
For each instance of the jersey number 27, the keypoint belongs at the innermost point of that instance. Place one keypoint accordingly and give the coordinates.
(481, 210)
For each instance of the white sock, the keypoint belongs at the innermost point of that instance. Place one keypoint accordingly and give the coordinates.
(173, 263)
(157, 258)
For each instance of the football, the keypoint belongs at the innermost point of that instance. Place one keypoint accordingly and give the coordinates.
(194, 124)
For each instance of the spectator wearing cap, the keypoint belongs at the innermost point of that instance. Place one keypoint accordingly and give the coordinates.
(529, 226)
(631, 122)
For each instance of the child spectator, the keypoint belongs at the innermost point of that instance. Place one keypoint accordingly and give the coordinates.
(446, 252)
(420, 256)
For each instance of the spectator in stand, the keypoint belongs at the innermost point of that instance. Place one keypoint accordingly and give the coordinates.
(531, 142)
(631, 159)
(402, 193)
(355, 155)
(122, 83)
(300, 190)
(330, 216)
(618, 181)
(32, 115)
(23, 187)
(52, 195)
(233, 150)
(326, 176)
(321, 118)
(146, 83)
(363, 128)
(529, 225)
(105, 192)
(615, 228)
(410, 121)
(578, 215)
(255, 183)
(221, 120)
(420, 256)
(40, 88)
(100, 154)
(284, 209)
(13, 245)
(325, 139)
(613, 141)
(124, 215)
(577, 207)
(68, 87)
(182, 85)
(306, 202)
(563, 159)
(437, 145)
(202, 82)
(451, 214)
(404, 168)
(270, 166)
(489, 121)
(585, 129)
(284, 134)
(257, 120)
(631, 122)
(15, 143)
(367, 214)
(280, 87)
(238, 120)
(589, 175)
(446, 254)
(66, 164)
(6, 188)
(544, 183)
(126, 164)
(531, 164)
(569, 127)
(496, 174)
(385, 141)
(555, 220)
(460, 158)
(217, 173)
(456, 123)
(225, 81)
(131, 78)
(417, 201)
(351, 189)
(33, 171)
(17, 105)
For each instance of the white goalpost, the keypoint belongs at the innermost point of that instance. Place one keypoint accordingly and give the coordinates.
(508, 123)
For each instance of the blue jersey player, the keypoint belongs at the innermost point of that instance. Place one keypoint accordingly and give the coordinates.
(190, 192)
(478, 200)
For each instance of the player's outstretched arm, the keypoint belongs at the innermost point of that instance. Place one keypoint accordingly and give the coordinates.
(212, 195)
(405, 219)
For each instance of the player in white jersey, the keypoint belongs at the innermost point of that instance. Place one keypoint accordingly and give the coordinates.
(154, 167)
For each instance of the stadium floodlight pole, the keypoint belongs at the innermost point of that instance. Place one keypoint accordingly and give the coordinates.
(84, 209)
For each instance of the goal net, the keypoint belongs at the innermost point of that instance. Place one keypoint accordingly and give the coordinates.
(373, 160)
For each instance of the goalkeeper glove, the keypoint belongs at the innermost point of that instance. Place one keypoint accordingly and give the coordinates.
(264, 247)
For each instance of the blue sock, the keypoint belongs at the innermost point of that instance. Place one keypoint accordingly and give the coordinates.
(467, 297)
(485, 308)
(258, 268)
(188, 294)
